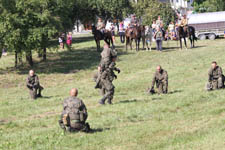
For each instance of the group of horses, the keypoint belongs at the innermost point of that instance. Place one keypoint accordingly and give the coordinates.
(139, 33)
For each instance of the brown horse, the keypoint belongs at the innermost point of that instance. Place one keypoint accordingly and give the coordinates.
(189, 32)
(133, 34)
(98, 36)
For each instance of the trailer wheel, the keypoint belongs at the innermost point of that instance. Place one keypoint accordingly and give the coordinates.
(202, 37)
(212, 36)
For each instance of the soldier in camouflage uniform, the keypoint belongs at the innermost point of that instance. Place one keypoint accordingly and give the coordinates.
(107, 77)
(33, 85)
(161, 80)
(74, 115)
(216, 77)
(106, 59)
(97, 77)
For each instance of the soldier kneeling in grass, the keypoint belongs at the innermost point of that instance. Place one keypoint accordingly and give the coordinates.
(33, 85)
(161, 80)
(216, 77)
(74, 115)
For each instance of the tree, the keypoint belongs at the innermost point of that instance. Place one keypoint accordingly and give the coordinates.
(28, 25)
(209, 5)
(111, 9)
(149, 10)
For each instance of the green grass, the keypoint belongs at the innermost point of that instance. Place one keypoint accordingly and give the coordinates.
(187, 118)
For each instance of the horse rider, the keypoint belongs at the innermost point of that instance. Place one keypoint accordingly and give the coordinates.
(184, 23)
(101, 26)
(134, 21)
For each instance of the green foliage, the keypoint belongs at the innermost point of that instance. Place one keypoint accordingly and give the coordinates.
(111, 9)
(209, 5)
(29, 24)
(151, 9)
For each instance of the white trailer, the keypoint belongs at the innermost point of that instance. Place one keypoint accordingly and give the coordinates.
(208, 25)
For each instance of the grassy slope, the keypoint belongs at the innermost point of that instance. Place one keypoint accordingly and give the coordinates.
(187, 118)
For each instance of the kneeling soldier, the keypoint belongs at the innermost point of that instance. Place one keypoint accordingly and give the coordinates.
(74, 114)
(33, 85)
(161, 80)
(216, 77)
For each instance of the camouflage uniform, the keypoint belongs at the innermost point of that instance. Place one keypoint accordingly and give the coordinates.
(216, 78)
(74, 115)
(107, 78)
(99, 83)
(161, 80)
(34, 86)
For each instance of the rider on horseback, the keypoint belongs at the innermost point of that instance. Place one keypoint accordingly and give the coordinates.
(134, 21)
(184, 23)
(101, 27)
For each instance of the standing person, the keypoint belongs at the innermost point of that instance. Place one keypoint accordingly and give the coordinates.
(112, 29)
(4, 52)
(107, 77)
(33, 85)
(122, 32)
(154, 26)
(160, 78)
(74, 115)
(159, 21)
(215, 77)
(159, 38)
(69, 39)
(61, 44)
(171, 29)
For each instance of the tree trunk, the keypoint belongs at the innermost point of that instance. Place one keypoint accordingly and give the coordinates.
(44, 54)
(40, 54)
(77, 26)
(16, 62)
(20, 58)
(29, 58)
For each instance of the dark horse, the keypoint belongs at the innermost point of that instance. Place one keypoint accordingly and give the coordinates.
(107, 37)
(133, 34)
(190, 33)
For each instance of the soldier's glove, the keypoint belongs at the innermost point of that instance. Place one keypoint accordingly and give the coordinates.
(62, 125)
(152, 91)
(118, 70)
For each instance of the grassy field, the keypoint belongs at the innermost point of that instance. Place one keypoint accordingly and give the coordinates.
(188, 118)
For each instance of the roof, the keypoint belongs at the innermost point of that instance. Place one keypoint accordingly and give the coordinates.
(164, 1)
(206, 17)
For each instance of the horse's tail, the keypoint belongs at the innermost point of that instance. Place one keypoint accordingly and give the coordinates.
(194, 36)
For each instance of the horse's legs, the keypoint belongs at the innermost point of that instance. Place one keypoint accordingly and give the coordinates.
(131, 41)
(136, 42)
(190, 38)
(180, 43)
(143, 42)
(147, 47)
(127, 42)
(96, 43)
(185, 43)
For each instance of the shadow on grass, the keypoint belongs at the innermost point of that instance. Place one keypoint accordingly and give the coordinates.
(175, 91)
(63, 62)
(98, 130)
(127, 101)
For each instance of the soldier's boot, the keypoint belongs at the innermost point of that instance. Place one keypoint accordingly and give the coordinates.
(220, 83)
(33, 94)
(87, 128)
(39, 91)
(110, 101)
(208, 87)
(102, 101)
